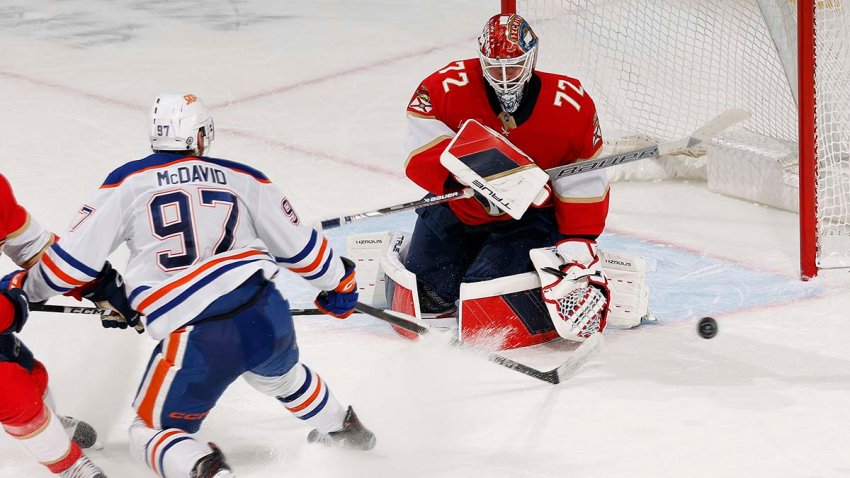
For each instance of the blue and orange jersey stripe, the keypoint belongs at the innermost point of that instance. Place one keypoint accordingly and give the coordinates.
(315, 268)
(194, 281)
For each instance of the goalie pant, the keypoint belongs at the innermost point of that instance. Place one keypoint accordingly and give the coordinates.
(444, 252)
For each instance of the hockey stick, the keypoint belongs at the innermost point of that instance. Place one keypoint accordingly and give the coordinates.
(306, 312)
(428, 201)
(704, 133)
(559, 374)
(67, 309)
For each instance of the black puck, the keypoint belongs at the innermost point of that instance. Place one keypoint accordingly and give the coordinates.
(707, 327)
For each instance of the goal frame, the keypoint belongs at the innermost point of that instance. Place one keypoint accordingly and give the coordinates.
(807, 129)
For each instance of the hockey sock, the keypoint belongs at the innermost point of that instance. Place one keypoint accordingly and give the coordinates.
(44, 438)
(169, 452)
(304, 394)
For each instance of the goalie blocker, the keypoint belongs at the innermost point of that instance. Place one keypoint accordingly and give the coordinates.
(507, 312)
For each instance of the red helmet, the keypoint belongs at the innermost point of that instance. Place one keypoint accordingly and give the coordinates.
(508, 53)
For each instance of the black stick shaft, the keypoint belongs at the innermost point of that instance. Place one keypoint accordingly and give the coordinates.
(68, 309)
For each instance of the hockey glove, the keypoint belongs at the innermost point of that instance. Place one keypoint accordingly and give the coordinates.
(107, 291)
(340, 302)
(575, 288)
(13, 280)
(13, 303)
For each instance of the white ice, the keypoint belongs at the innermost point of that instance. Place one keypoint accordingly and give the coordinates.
(313, 93)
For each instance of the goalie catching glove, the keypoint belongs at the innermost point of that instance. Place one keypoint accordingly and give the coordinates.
(574, 287)
(340, 302)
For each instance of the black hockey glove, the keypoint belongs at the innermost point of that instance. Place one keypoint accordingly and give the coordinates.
(108, 291)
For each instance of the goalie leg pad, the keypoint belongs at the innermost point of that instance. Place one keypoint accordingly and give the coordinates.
(629, 291)
(366, 251)
(509, 310)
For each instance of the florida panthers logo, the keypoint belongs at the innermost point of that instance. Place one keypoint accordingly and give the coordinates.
(421, 102)
(597, 131)
(520, 33)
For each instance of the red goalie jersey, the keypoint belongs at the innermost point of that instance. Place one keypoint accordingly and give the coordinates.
(555, 124)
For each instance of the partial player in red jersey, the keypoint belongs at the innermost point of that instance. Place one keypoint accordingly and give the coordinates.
(549, 117)
(25, 412)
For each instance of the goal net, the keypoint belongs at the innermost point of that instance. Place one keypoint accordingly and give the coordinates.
(659, 69)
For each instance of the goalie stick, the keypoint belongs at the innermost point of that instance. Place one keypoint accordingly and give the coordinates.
(69, 309)
(561, 373)
(704, 133)
(428, 201)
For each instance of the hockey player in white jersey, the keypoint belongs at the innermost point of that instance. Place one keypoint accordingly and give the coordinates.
(206, 237)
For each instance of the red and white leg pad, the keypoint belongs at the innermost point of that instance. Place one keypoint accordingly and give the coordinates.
(366, 250)
(509, 310)
(382, 279)
(629, 292)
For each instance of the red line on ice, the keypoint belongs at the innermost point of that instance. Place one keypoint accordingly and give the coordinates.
(134, 107)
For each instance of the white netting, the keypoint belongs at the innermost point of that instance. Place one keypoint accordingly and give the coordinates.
(659, 69)
(832, 82)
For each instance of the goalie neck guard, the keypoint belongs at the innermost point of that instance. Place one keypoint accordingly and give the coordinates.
(508, 54)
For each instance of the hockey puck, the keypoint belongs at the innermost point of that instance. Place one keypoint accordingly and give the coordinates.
(707, 327)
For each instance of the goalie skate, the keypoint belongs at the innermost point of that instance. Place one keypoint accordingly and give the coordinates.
(353, 435)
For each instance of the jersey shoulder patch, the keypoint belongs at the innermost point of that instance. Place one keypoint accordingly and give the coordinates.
(420, 104)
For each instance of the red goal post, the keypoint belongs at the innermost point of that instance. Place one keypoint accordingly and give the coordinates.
(658, 68)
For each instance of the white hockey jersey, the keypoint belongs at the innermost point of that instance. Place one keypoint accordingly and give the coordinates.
(196, 228)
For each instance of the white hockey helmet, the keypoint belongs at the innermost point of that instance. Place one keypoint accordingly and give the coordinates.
(180, 122)
(508, 54)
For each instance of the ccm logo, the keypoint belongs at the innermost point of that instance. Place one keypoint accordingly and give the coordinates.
(188, 416)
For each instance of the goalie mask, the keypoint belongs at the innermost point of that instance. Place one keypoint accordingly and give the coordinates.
(508, 54)
(180, 122)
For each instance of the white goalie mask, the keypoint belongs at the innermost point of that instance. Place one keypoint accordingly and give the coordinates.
(508, 54)
(180, 122)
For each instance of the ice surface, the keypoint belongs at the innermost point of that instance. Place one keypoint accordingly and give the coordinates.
(313, 93)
